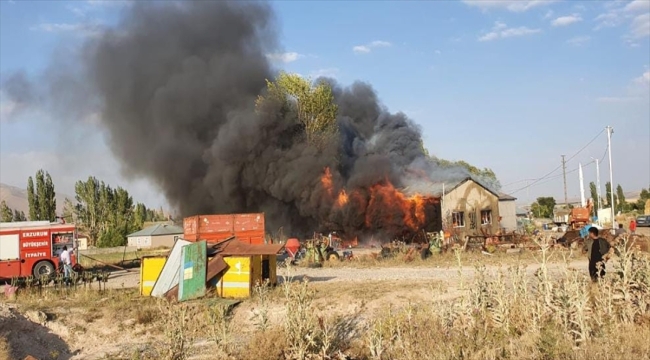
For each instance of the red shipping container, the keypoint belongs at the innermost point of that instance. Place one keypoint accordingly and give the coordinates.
(248, 228)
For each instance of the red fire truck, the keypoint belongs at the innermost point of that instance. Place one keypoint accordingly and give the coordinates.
(33, 247)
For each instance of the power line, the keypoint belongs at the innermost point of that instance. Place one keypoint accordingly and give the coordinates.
(554, 177)
(559, 167)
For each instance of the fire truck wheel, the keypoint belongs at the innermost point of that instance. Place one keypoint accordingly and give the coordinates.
(333, 256)
(43, 268)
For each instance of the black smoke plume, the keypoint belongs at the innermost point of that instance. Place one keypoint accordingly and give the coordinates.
(176, 88)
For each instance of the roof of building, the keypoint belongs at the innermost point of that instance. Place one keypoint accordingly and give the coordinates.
(506, 197)
(158, 229)
(436, 188)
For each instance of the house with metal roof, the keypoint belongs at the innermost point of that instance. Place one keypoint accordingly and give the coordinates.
(159, 235)
(469, 207)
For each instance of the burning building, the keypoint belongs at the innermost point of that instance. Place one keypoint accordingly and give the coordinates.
(468, 207)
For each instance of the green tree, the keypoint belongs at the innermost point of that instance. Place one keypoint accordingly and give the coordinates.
(6, 214)
(643, 197)
(68, 211)
(32, 200)
(594, 195)
(41, 200)
(87, 210)
(621, 204)
(107, 215)
(543, 207)
(48, 203)
(608, 193)
(19, 216)
(313, 104)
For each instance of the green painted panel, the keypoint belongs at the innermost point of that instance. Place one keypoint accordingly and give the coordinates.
(192, 271)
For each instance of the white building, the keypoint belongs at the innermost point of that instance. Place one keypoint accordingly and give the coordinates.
(159, 235)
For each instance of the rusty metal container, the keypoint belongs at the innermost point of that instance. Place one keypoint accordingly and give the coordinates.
(248, 228)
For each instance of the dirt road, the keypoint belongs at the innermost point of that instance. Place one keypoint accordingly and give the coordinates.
(327, 275)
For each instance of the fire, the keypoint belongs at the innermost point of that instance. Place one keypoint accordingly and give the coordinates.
(392, 206)
(326, 181)
(381, 206)
(343, 199)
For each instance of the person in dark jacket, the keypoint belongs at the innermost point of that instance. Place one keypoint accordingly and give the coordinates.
(598, 252)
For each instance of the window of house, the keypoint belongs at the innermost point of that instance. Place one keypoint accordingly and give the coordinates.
(458, 219)
(486, 217)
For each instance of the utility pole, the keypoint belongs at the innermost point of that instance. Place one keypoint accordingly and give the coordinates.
(610, 131)
(598, 201)
(566, 200)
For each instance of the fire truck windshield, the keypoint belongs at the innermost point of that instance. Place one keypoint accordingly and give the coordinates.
(59, 240)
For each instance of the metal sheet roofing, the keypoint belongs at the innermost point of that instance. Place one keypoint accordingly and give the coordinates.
(158, 229)
(236, 247)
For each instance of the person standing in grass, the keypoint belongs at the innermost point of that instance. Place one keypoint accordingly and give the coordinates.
(632, 226)
(597, 251)
(67, 263)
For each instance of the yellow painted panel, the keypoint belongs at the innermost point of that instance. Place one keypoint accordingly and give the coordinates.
(236, 282)
(150, 269)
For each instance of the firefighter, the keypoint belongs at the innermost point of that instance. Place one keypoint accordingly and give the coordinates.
(67, 264)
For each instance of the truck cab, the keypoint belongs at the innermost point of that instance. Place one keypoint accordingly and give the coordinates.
(33, 247)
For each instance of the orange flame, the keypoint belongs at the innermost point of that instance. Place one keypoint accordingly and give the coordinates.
(383, 205)
(326, 181)
(343, 199)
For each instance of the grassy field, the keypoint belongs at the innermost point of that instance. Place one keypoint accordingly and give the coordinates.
(500, 312)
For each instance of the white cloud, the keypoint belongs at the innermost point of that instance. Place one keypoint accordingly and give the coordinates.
(364, 49)
(438, 52)
(566, 20)
(501, 30)
(579, 40)
(640, 26)
(286, 57)
(79, 28)
(637, 90)
(77, 11)
(328, 72)
(7, 109)
(644, 79)
(513, 6)
(635, 13)
(638, 5)
(110, 3)
(549, 14)
(616, 99)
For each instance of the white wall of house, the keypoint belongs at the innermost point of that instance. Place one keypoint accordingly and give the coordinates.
(164, 240)
(508, 212)
(139, 241)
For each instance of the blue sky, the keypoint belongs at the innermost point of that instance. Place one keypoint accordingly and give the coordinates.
(506, 85)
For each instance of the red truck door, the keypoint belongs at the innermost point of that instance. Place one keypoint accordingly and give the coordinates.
(9, 255)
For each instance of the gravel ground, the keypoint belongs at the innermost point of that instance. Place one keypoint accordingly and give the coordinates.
(122, 279)
(404, 273)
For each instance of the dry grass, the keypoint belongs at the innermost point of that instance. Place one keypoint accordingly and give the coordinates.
(370, 259)
(5, 351)
(500, 314)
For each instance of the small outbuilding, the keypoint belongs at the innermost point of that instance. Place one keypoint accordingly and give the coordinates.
(508, 212)
(159, 235)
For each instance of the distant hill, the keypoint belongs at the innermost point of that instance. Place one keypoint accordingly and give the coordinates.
(16, 198)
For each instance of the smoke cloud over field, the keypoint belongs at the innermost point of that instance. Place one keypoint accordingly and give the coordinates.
(175, 88)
